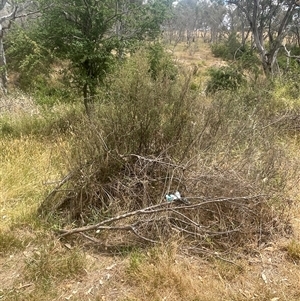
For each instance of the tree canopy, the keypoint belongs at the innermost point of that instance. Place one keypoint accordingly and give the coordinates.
(91, 34)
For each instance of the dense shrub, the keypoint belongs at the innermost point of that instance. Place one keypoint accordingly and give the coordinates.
(150, 137)
(224, 78)
(29, 60)
(244, 56)
(137, 117)
(160, 62)
(228, 49)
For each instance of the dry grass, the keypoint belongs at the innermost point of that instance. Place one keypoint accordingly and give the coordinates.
(17, 102)
(198, 58)
(26, 166)
(198, 53)
(162, 274)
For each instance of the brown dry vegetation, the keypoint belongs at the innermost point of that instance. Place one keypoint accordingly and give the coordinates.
(36, 265)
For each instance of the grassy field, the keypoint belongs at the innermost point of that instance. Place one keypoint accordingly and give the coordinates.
(36, 265)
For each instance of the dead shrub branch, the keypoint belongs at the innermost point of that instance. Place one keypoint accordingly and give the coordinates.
(167, 217)
(148, 140)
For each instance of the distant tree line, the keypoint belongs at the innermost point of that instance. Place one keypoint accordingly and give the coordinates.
(266, 25)
(91, 35)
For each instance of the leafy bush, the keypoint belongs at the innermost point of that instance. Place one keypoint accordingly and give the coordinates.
(220, 50)
(29, 59)
(250, 62)
(35, 69)
(160, 62)
(244, 56)
(224, 78)
(229, 49)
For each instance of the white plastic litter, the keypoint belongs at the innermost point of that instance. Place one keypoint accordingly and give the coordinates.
(173, 197)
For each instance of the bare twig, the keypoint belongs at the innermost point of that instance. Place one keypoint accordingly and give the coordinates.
(155, 209)
(154, 160)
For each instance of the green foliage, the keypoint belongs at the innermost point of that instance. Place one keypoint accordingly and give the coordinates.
(229, 49)
(245, 57)
(249, 61)
(224, 78)
(220, 50)
(84, 38)
(93, 35)
(27, 56)
(160, 62)
(49, 92)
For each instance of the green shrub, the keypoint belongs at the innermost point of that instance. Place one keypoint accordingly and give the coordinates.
(35, 69)
(229, 49)
(224, 78)
(160, 63)
(244, 56)
(220, 50)
(26, 57)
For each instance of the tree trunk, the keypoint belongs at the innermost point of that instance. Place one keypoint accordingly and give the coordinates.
(261, 22)
(88, 98)
(3, 71)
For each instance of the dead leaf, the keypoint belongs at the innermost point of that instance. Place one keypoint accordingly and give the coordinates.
(68, 246)
(264, 277)
(111, 266)
(89, 291)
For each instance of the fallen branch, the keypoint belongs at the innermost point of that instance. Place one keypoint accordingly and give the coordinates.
(165, 207)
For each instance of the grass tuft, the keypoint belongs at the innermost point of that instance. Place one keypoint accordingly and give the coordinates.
(10, 243)
(26, 165)
(52, 262)
(293, 250)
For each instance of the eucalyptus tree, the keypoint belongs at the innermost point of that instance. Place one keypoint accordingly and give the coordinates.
(182, 22)
(216, 13)
(205, 16)
(10, 10)
(295, 28)
(269, 22)
(91, 34)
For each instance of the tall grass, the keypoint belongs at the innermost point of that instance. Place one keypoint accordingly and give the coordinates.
(29, 167)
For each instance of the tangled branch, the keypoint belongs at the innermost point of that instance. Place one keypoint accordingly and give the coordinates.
(169, 217)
